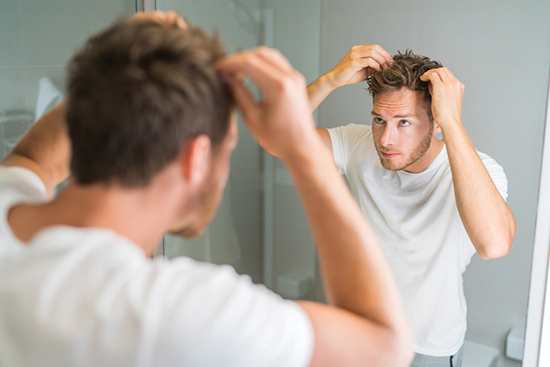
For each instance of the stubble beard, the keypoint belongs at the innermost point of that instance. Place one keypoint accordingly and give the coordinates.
(207, 203)
(417, 153)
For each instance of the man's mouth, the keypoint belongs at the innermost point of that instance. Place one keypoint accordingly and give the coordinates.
(389, 154)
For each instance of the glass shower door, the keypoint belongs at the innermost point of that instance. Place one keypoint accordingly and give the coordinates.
(37, 39)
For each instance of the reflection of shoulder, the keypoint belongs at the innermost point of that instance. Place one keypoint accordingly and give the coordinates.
(358, 129)
(487, 160)
(355, 134)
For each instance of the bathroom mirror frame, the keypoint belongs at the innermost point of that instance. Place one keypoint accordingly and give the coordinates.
(537, 334)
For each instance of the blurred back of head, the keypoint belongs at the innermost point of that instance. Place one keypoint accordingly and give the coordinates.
(137, 92)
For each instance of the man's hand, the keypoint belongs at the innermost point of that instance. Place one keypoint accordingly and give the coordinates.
(281, 122)
(355, 67)
(358, 64)
(447, 93)
(170, 18)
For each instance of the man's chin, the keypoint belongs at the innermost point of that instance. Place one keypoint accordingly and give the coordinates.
(189, 232)
(389, 165)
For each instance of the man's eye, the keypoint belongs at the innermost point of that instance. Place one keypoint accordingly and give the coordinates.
(378, 120)
(404, 123)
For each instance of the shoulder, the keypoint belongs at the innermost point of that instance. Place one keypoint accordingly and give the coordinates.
(186, 308)
(496, 172)
(231, 314)
(490, 163)
(350, 135)
(351, 130)
(21, 180)
(17, 185)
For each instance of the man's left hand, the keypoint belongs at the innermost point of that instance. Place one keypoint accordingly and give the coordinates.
(170, 18)
(447, 92)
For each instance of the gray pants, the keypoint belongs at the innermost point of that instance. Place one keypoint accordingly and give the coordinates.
(421, 360)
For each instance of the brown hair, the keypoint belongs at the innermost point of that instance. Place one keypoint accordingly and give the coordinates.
(405, 72)
(137, 92)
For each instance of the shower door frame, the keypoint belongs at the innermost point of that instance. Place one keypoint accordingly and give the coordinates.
(537, 332)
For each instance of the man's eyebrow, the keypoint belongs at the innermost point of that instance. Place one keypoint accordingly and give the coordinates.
(373, 113)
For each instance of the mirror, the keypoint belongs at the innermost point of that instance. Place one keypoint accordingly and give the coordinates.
(498, 49)
(503, 112)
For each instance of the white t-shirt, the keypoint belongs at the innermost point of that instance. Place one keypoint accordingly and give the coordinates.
(415, 218)
(89, 297)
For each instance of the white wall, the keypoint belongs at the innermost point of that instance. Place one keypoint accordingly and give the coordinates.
(498, 49)
(37, 38)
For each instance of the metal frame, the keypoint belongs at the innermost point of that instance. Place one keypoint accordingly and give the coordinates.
(537, 333)
(145, 5)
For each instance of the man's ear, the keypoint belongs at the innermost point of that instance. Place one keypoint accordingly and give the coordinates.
(195, 159)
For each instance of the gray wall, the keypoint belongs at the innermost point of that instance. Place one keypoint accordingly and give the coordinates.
(498, 49)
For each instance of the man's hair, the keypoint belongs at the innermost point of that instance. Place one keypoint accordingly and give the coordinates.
(136, 93)
(405, 72)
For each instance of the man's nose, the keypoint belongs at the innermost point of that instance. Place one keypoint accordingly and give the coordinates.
(389, 138)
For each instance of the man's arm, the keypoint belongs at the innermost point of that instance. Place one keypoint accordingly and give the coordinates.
(44, 149)
(358, 63)
(487, 218)
(365, 323)
(325, 138)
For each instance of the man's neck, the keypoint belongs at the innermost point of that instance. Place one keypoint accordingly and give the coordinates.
(431, 154)
(132, 213)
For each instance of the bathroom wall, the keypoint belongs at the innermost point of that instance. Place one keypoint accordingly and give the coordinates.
(498, 49)
(37, 38)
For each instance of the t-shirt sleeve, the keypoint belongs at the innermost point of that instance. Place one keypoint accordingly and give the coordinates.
(497, 174)
(213, 317)
(17, 185)
(22, 181)
(344, 139)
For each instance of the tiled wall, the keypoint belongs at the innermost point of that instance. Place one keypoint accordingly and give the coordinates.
(37, 38)
(498, 49)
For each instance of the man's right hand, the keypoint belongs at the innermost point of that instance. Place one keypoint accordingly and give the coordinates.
(355, 67)
(358, 64)
(281, 121)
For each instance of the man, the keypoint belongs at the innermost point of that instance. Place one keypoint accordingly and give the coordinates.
(432, 203)
(151, 131)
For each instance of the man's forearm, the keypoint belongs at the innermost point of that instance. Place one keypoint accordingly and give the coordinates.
(318, 91)
(45, 148)
(484, 213)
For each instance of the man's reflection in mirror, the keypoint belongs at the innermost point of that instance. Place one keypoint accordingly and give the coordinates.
(432, 203)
